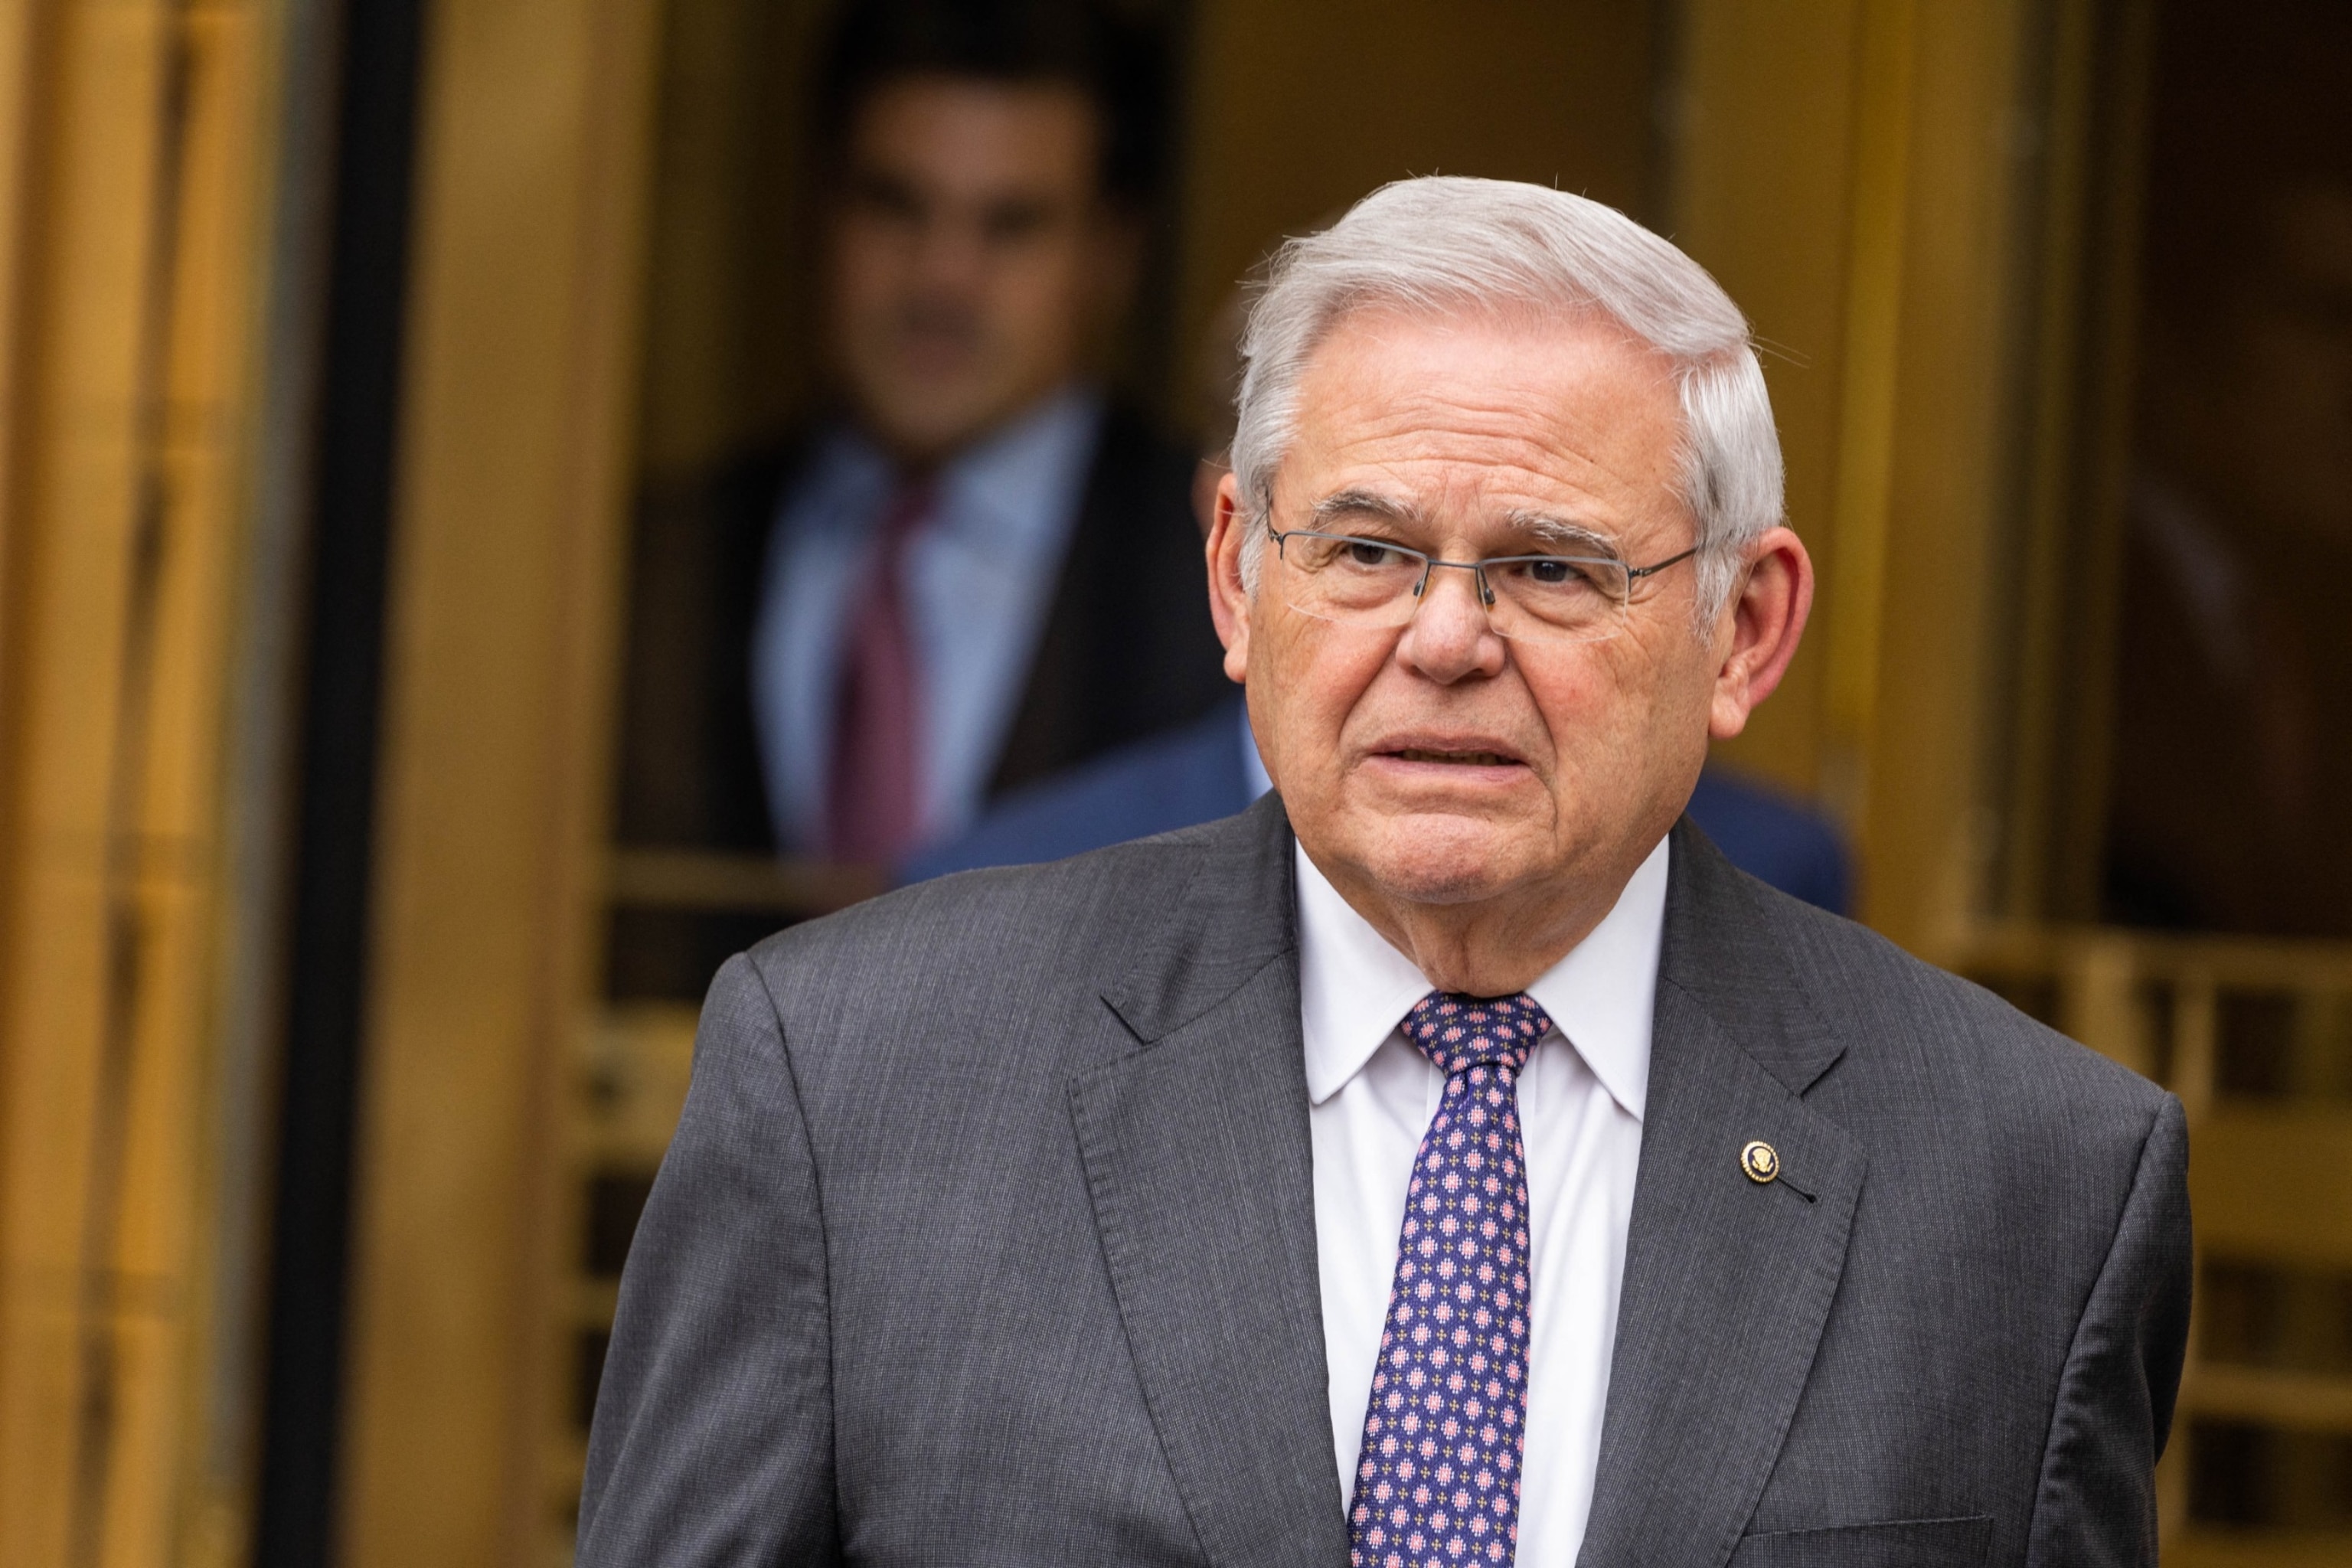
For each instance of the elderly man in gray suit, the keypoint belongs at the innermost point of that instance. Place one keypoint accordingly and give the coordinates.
(1452, 1159)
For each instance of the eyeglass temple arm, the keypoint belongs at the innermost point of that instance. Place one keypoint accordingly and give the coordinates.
(1635, 573)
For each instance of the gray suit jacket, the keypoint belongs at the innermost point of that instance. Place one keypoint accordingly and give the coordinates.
(988, 1238)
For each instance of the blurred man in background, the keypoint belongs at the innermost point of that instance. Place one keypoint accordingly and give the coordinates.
(979, 569)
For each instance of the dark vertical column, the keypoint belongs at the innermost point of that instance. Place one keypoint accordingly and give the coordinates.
(350, 524)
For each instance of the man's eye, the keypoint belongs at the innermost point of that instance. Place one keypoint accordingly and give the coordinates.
(880, 199)
(1551, 573)
(1364, 552)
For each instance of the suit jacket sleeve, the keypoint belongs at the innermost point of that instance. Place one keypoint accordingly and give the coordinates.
(2096, 1504)
(713, 1437)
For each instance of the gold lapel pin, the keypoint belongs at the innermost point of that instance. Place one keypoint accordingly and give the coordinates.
(1760, 1161)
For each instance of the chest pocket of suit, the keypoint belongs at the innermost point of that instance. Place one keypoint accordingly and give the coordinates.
(1904, 1543)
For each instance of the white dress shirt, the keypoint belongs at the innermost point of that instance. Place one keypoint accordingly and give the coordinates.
(1580, 1100)
(980, 578)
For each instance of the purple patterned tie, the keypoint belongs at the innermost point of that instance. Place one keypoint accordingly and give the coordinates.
(1439, 1481)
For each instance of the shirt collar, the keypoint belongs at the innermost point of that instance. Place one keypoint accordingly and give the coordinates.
(1009, 476)
(1253, 774)
(1354, 988)
(1018, 481)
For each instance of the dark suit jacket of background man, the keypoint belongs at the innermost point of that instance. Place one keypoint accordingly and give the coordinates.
(1127, 648)
(988, 1237)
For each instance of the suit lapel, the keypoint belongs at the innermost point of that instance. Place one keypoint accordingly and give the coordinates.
(1198, 1158)
(1727, 1281)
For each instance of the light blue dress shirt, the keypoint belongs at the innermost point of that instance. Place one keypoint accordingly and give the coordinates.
(979, 578)
(1254, 771)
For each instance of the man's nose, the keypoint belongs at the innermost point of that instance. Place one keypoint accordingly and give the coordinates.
(1449, 637)
(950, 252)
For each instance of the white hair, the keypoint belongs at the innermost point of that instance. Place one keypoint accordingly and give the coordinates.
(1443, 243)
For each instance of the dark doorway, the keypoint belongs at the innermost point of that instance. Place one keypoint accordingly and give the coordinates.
(2232, 738)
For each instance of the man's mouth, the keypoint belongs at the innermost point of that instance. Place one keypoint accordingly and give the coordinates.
(1458, 759)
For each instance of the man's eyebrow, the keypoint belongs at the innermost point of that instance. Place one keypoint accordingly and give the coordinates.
(887, 187)
(1550, 529)
(1363, 503)
(1566, 531)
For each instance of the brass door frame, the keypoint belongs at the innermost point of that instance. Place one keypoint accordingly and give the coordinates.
(517, 426)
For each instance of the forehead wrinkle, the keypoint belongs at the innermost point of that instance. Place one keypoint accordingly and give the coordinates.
(1467, 417)
(1577, 456)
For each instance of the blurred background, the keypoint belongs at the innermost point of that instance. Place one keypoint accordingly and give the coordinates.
(502, 505)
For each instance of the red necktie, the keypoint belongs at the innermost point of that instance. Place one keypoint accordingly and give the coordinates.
(874, 799)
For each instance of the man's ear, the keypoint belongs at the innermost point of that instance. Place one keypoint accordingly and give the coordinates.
(1762, 628)
(1229, 600)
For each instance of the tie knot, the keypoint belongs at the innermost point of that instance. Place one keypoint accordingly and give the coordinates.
(908, 508)
(1459, 1032)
